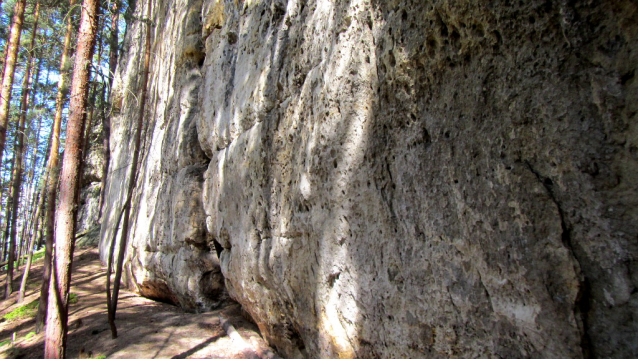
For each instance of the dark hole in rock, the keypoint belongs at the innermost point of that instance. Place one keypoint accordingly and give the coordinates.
(218, 248)
(212, 284)
(232, 38)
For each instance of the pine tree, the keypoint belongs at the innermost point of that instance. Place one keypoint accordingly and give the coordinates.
(56, 326)
(19, 151)
(132, 177)
(23, 114)
(9, 70)
(106, 121)
(52, 172)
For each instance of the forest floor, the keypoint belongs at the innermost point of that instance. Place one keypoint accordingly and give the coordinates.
(146, 329)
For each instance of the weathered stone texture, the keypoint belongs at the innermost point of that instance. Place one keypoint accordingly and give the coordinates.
(392, 178)
(89, 211)
(168, 253)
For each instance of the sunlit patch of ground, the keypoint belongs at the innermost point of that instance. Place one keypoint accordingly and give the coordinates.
(146, 329)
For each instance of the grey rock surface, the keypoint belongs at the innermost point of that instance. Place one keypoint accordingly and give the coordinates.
(390, 178)
(89, 211)
(169, 255)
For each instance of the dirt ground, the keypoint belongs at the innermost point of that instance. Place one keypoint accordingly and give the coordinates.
(146, 329)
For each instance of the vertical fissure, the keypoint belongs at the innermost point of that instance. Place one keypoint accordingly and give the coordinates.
(582, 302)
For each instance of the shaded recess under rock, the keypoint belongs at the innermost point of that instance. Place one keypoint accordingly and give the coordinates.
(390, 178)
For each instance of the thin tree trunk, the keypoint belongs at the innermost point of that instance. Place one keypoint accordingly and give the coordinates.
(27, 267)
(5, 236)
(89, 122)
(106, 144)
(52, 170)
(15, 201)
(9, 70)
(26, 229)
(36, 193)
(45, 179)
(30, 199)
(92, 104)
(56, 326)
(9, 215)
(112, 299)
(19, 151)
(113, 41)
(31, 195)
(31, 227)
(106, 120)
(39, 213)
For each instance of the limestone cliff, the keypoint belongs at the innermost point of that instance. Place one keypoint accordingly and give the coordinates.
(390, 178)
(89, 211)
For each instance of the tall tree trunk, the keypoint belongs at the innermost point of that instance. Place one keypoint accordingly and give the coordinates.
(113, 41)
(45, 180)
(27, 267)
(132, 178)
(19, 151)
(38, 217)
(56, 326)
(34, 194)
(92, 104)
(52, 171)
(34, 162)
(9, 70)
(7, 226)
(23, 118)
(15, 200)
(106, 120)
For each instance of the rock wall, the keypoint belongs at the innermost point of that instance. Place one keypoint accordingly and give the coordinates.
(89, 212)
(390, 178)
(168, 256)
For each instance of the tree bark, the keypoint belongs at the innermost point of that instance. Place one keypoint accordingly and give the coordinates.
(15, 200)
(34, 193)
(27, 267)
(52, 171)
(106, 120)
(7, 225)
(112, 299)
(19, 151)
(113, 41)
(24, 107)
(56, 326)
(92, 103)
(106, 145)
(9, 70)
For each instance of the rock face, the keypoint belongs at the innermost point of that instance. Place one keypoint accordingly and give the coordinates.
(390, 178)
(168, 255)
(89, 212)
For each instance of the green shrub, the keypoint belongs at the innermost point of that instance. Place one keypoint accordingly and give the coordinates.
(73, 298)
(25, 311)
(38, 255)
(29, 335)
